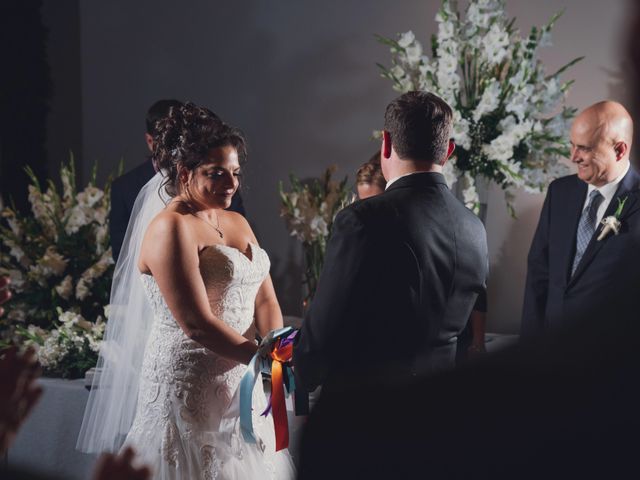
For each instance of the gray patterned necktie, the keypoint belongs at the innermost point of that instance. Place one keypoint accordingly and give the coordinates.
(586, 226)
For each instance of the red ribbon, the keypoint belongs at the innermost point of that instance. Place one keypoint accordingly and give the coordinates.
(280, 355)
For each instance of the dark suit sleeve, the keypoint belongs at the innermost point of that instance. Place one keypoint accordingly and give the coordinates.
(321, 342)
(118, 219)
(537, 285)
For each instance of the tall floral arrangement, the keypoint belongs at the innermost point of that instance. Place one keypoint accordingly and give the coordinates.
(309, 210)
(59, 261)
(510, 118)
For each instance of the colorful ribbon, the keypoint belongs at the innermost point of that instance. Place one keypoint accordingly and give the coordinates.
(281, 353)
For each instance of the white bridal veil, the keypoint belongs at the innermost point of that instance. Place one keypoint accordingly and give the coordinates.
(114, 393)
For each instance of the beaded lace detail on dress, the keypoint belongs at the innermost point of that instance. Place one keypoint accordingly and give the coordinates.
(186, 389)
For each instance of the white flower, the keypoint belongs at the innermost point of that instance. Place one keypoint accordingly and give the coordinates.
(65, 287)
(406, 39)
(558, 126)
(545, 39)
(405, 85)
(476, 16)
(446, 30)
(397, 71)
(89, 196)
(17, 279)
(461, 130)
(15, 251)
(470, 196)
(319, 226)
(551, 94)
(77, 218)
(67, 188)
(489, 101)
(495, 44)
(449, 172)
(520, 102)
(100, 215)
(54, 262)
(82, 289)
(69, 317)
(414, 53)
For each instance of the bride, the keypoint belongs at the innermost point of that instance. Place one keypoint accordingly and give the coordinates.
(190, 288)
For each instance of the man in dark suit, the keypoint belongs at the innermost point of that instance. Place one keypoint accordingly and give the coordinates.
(562, 406)
(125, 188)
(402, 270)
(572, 274)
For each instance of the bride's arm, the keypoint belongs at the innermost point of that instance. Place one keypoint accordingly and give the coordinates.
(170, 252)
(268, 314)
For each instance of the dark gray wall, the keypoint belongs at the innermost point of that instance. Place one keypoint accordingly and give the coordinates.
(64, 122)
(300, 79)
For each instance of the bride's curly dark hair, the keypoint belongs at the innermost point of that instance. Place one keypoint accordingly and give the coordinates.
(184, 138)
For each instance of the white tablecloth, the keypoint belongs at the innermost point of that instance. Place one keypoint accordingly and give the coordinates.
(46, 442)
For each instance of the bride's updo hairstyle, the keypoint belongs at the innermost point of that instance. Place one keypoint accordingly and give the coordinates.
(184, 138)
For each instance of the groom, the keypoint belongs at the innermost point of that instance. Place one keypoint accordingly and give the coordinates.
(402, 269)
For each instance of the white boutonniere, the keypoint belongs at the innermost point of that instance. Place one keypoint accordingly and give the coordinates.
(612, 223)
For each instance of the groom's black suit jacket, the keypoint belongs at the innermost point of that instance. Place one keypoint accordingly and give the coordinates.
(608, 276)
(401, 275)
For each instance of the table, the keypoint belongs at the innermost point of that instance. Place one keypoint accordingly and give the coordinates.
(46, 442)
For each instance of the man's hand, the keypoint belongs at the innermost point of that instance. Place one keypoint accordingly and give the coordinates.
(266, 345)
(18, 391)
(120, 467)
(5, 294)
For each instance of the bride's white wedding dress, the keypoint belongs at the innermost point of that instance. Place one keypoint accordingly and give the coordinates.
(186, 424)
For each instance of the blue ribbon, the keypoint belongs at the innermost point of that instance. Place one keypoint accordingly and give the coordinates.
(247, 384)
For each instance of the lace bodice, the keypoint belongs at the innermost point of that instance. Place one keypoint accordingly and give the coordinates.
(231, 279)
(186, 389)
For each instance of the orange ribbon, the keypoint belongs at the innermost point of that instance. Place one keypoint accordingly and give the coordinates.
(279, 409)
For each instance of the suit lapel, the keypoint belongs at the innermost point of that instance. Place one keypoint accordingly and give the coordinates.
(628, 188)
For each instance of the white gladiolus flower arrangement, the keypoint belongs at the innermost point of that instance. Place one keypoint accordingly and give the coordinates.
(309, 209)
(60, 266)
(510, 119)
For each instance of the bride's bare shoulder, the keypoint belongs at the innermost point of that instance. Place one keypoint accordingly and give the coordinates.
(169, 223)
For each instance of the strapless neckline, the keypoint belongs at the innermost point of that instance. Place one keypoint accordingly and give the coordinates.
(252, 247)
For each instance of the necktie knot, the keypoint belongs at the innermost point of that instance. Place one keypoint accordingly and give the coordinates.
(595, 197)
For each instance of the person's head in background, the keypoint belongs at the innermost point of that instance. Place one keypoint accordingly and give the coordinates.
(369, 179)
(157, 111)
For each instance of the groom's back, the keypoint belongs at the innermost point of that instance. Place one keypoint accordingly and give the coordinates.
(402, 270)
(425, 266)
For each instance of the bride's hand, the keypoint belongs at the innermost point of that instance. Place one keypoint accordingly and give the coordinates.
(266, 345)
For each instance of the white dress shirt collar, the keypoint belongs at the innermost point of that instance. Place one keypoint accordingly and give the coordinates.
(607, 191)
(406, 175)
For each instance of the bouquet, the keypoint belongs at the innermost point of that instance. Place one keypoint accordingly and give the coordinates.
(510, 120)
(60, 265)
(309, 210)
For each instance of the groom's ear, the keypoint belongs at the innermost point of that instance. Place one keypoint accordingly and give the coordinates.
(386, 144)
(451, 147)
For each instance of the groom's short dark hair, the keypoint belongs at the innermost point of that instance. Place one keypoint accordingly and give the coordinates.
(419, 124)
